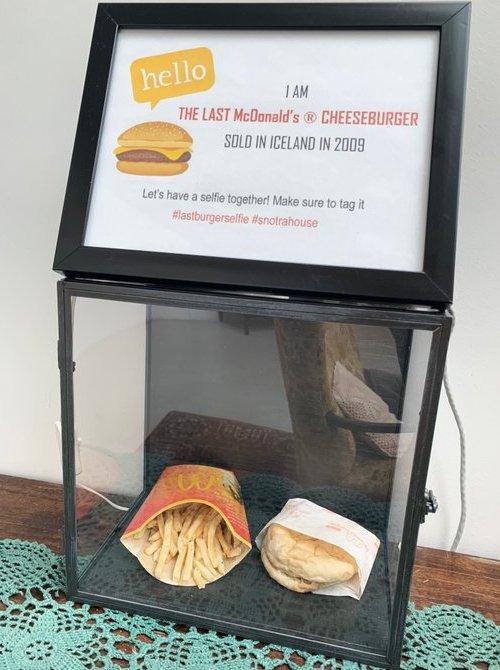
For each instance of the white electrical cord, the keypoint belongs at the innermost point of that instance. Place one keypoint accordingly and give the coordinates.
(78, 470)
(461, 431)
(110, 502)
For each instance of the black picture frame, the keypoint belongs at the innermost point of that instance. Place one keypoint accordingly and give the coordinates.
(434, 285)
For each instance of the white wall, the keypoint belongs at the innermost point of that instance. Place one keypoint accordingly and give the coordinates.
(44, 46)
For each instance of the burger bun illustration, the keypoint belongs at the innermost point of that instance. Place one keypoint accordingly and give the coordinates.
(155, 148)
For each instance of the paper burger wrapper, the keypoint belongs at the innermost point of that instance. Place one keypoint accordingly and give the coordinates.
(310, 519)
(178, 486)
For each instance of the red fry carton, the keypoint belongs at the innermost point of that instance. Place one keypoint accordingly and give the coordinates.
(178, 487)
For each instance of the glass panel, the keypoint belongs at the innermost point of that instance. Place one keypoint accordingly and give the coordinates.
(281, 402)
(109, 343)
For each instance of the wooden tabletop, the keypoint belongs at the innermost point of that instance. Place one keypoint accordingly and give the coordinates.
(33, 510)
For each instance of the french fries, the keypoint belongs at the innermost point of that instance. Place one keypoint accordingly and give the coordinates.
(195, 539)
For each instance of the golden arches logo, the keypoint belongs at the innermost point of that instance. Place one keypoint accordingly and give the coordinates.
(195, 481)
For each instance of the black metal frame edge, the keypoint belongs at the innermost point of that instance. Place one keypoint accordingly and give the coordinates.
(416, 492)
(254, 304)
(434, 285)
(65, 355)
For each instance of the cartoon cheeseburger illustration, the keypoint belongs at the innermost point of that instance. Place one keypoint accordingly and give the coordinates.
(154, 148)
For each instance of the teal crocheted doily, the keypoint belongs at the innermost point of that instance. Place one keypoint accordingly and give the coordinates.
(41, 630)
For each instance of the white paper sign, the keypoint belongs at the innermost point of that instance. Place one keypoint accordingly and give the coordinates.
(306, 146)
(306, 517)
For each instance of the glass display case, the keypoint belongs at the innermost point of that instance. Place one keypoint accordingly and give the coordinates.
(300, 398)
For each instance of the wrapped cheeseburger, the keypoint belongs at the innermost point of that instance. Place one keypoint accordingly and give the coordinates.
(308, 548)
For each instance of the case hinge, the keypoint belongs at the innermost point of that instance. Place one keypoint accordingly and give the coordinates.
(429, 504)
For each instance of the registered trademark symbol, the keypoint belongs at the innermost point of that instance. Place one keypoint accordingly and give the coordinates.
(309, 117)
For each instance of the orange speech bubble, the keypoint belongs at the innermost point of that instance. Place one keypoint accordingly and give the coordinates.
(169, 75)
